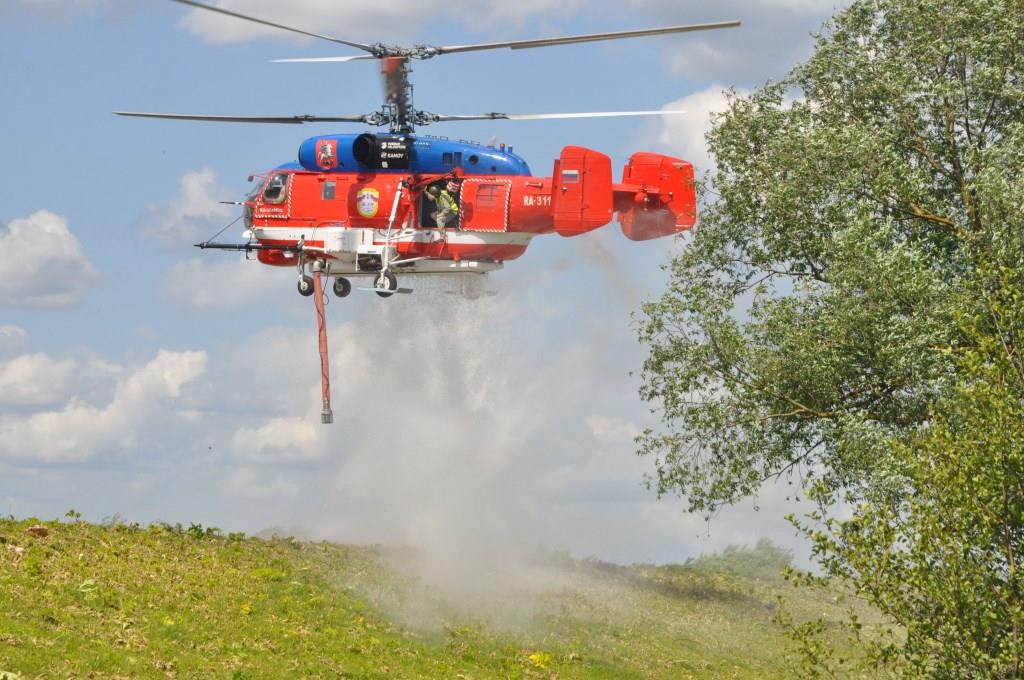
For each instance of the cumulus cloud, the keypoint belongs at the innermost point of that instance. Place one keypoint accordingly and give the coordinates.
(203, 283)
(775, 35)
(42, 264)
(609, 429)
(193, 214)
(34, 380)
(56, 8)
(29, 381)
(280, 440)
(387, 19)
(774, 25)
(684, 135)
(13, 339)
(60, 11)
(67, 4)
(79, 432)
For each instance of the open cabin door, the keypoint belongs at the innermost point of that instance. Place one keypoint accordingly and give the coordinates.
(484, 204)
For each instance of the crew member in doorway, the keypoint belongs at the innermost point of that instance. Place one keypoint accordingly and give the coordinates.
(447, 208)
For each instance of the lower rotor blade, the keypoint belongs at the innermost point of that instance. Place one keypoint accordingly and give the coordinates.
(289, 120)
(553, 116)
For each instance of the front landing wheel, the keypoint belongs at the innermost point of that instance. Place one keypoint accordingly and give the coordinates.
(386, 283)
(305, 286)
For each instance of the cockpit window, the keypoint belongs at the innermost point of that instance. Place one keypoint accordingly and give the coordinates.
(254, 192)
(277, 188)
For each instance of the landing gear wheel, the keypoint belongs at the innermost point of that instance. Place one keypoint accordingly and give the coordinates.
(342, 287)
(385, 283)
(305, 286)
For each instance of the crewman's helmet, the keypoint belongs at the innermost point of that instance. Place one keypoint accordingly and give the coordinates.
(433, 190)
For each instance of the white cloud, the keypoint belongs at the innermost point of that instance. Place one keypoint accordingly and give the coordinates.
(193, 214)
(384, 20)
(142, 402)
(613, 430)
(61, 11)
(281, 439)
(684, 135)
(29, 381)
(57, 9)
(67, 4)
(208, 283)
(34, 380)
(774, 36)
(42, 264)
(501, 14)
(808, 6)
(13, 339)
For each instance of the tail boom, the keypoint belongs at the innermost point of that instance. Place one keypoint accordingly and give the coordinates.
(655, 198)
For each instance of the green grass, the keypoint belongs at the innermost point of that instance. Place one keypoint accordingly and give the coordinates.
(163, 602)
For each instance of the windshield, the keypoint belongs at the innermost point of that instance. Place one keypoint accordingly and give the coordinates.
(255, 190)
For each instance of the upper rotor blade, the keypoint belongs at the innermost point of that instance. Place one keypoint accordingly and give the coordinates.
(220, 10)
(592, 37)
(293, 120)
(551, 116)
(358, 57)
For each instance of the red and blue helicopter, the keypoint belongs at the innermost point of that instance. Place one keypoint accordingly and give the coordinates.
(384, 205)
(362, 205)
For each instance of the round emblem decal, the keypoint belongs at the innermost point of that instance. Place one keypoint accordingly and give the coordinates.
(367, 201)
(327, 153)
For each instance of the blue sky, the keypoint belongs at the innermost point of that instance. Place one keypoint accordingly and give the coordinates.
(142, 377)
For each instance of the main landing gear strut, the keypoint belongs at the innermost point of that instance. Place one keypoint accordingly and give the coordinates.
(385, 283)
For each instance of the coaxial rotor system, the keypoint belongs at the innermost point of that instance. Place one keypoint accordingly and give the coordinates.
(398, 111)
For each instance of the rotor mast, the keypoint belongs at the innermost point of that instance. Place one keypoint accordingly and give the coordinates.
(401, 115)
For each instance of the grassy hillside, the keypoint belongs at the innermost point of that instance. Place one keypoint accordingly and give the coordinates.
(164, 602)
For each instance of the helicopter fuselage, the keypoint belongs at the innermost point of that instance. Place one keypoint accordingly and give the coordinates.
(359, 204)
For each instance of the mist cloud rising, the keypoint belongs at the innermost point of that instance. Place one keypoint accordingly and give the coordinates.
(459, 426)
(446, 409)
(475, 429)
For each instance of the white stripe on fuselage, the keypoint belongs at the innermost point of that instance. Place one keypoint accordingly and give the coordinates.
(460, 237)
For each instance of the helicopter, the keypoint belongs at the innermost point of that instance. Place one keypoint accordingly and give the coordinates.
(364, 205)
(380, 205)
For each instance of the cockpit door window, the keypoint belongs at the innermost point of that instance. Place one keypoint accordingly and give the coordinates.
(276, 190)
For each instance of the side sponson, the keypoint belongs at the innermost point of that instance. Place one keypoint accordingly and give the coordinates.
(656, 197)
(581, 191)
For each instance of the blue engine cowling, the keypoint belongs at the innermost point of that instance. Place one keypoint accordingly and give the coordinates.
(407, 154)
